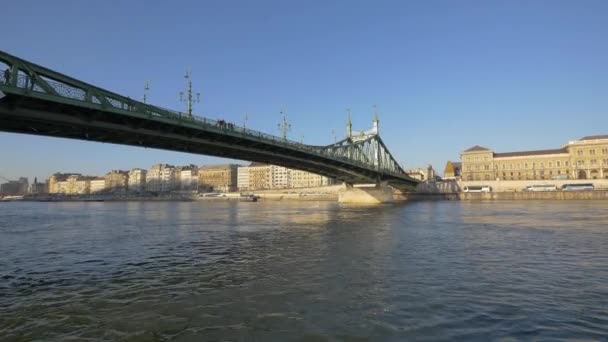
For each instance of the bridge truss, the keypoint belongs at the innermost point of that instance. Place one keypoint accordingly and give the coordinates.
(38, 100)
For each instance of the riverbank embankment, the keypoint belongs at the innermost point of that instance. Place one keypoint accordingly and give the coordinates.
(508, 196)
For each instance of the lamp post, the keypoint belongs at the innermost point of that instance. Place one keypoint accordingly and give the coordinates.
(189, 100)
(146, 89)
(284, 127)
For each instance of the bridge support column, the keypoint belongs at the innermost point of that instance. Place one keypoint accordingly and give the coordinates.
(381, 193)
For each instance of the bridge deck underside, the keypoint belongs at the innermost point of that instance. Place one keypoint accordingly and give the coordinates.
(21, 114)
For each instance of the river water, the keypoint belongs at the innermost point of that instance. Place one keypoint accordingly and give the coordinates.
(307, 271)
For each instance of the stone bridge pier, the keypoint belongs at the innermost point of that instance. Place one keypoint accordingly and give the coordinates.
(367, 194)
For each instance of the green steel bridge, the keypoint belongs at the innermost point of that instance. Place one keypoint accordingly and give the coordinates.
(37, 100)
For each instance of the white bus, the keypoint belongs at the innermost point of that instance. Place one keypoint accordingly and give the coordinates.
(541, 187)
(578, 187)
(477, 188)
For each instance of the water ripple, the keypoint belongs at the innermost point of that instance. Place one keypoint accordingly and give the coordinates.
(438, 271)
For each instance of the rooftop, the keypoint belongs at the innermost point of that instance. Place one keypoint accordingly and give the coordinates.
(529, 153)
(477, 148)
(219, 166)
(254, 164)
(595, 137)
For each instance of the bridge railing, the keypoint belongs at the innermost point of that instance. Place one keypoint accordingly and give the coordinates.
(66, 91)
(74, 93)
(62, 90)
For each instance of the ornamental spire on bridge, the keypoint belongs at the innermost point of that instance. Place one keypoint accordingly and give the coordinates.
(349, 125)
(284, 126)
(146, 89)
(376, 121)
(189, 100)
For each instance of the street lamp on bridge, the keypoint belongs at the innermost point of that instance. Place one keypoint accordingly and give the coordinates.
(146, 89)
(284, 127)
(189, 100)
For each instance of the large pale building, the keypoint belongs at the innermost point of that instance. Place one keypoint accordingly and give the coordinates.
(19, 187)
(242, 178)
(160, 178)
(75, 185)
(260, 176)
(422, 174)
(38, 188)
(304, 179)
(97, 185)
(137, 180)
(280, 177)
(188, 179)
(53, 181)
(117, 181)
(221, 178)
(586, 158)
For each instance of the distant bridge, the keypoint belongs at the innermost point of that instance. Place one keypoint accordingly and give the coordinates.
(36, 100)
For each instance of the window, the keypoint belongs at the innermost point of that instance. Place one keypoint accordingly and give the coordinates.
(511, 166)
(593, 162)
(533, 165)
(558, 163)
(605, 161)
(550, 164)
(487, 167)
(579, 152)
(559, 172)
(526, 165)
(542, 164)
(476, 158)
(592, 152)
(605, 151)
(567, 163)
(580, 162)
(485, 158)
(519, 166)
(504, 166)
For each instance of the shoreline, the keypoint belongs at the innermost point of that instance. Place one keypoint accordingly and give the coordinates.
(332, 196)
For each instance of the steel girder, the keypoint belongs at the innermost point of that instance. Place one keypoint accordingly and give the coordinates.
(27, 85)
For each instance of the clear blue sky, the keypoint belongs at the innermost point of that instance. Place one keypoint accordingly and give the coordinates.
(446, 75)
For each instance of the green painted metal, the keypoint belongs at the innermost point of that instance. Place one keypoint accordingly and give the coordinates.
(30, 80)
